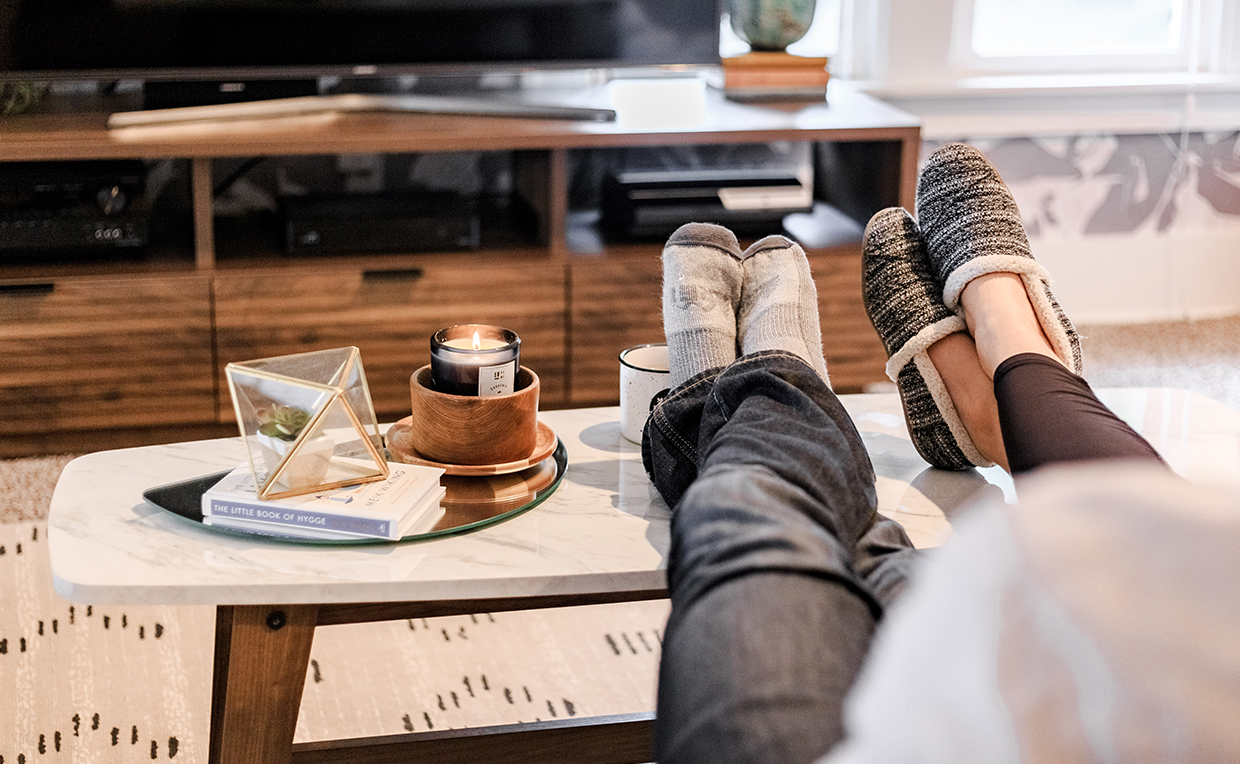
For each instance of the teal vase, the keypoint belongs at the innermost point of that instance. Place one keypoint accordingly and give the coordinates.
(771, 24)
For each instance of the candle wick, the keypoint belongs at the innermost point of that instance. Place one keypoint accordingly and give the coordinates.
(477, 341)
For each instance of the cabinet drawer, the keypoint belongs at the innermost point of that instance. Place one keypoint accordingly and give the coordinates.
(105, 353)
(618, 302)
(390, 316)
(855, 356)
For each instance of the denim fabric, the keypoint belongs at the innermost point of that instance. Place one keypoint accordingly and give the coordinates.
(779, 565)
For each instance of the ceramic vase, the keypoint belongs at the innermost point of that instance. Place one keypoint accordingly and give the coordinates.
(771, 25)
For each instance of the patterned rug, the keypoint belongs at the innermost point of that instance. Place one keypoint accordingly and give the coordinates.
(133, 683)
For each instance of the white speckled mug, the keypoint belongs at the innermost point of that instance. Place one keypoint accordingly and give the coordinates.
(643, 375)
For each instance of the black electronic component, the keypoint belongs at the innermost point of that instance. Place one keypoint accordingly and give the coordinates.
(380, 223)
(72, 207)
(655, 203)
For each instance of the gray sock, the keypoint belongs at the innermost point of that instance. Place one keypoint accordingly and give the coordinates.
(779, 303)
(701, 293)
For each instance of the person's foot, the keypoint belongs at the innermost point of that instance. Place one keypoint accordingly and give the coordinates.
(1001, 320)
(701, 294)
(972, 228)
(902, 300)
(779, 303)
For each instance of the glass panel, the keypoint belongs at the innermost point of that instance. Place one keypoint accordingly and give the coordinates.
(1076, 27)
(471, 503)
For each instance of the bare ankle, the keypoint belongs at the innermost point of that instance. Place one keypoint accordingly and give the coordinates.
(972, 393)
(1002, 321)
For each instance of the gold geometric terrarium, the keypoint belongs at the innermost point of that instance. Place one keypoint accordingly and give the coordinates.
(307, 421)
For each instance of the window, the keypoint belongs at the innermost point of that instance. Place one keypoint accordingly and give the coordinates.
(1074, 35)
(1076, 27)
(933, 46)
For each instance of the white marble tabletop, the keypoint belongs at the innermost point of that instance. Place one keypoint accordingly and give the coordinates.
(604, 529)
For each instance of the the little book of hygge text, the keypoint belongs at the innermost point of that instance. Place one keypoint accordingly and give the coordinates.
(378, 509)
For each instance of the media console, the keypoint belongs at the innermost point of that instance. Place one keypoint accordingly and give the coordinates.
(130, 350)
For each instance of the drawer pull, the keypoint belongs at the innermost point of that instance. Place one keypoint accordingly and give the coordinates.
(403, 274)
(28, 289)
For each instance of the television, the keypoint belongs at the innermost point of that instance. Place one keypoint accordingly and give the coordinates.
(277, 43)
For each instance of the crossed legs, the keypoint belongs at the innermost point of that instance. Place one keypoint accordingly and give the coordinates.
(1010, 375)
(780, 565)
(1001, 324)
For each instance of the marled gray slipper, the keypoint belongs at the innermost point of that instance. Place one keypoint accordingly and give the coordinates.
(972, 227)
(902, 301)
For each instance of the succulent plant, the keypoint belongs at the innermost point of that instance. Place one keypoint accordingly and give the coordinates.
(283, 422)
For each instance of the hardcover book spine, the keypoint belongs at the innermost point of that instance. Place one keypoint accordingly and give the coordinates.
(324, 521)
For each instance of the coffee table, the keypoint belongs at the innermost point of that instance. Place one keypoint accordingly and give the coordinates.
(601, 537)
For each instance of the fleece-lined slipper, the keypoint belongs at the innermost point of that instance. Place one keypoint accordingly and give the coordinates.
(902, 301)
(972, 227)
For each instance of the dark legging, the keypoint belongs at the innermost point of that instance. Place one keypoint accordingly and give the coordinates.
(1048, 415)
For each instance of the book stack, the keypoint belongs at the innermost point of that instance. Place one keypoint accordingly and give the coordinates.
(406, 503)
(771, 76)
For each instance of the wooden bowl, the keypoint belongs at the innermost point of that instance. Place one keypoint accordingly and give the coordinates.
(467, 429)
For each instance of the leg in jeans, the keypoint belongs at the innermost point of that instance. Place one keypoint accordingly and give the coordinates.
(773, 493)
(779, 561)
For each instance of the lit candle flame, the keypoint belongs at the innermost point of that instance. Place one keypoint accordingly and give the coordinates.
(477, 341)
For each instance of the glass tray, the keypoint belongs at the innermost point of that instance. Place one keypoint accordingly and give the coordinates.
(470, 503)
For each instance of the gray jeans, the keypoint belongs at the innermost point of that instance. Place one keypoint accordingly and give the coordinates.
(780, 565)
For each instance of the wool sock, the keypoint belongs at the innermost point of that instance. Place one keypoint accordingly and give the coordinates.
(779, 303)
(701, 293)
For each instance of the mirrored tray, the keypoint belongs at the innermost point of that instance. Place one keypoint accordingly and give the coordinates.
(470, 502)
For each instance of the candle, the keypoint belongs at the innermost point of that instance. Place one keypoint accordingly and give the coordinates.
(475, 359)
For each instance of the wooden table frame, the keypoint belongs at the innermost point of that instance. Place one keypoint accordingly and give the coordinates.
(262, 653)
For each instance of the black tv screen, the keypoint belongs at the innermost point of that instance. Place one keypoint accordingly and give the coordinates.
(273, 39)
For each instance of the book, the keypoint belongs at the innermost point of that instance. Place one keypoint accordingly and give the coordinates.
(416, 523)
(379, 509)
(765, 73)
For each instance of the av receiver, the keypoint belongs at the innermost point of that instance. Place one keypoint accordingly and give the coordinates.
(72, 207)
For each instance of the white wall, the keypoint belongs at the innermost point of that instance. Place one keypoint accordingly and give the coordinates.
(1134, 228)
(1128, 177)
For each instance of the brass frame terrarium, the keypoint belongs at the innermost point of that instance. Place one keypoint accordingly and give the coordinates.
(307, 421)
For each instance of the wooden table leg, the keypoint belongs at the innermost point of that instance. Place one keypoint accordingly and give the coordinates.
(261, 656)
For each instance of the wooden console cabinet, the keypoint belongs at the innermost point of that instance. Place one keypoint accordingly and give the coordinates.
(128, 350)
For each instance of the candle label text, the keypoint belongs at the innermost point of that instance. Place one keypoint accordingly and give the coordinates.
(496, 380)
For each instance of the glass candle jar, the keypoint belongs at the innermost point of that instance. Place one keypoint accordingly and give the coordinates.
(475, 359)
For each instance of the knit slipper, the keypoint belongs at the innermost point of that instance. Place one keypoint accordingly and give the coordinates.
(972, 227)
(901, 299)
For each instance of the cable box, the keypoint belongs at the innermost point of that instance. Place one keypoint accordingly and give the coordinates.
(380, 223)
(655, 203)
